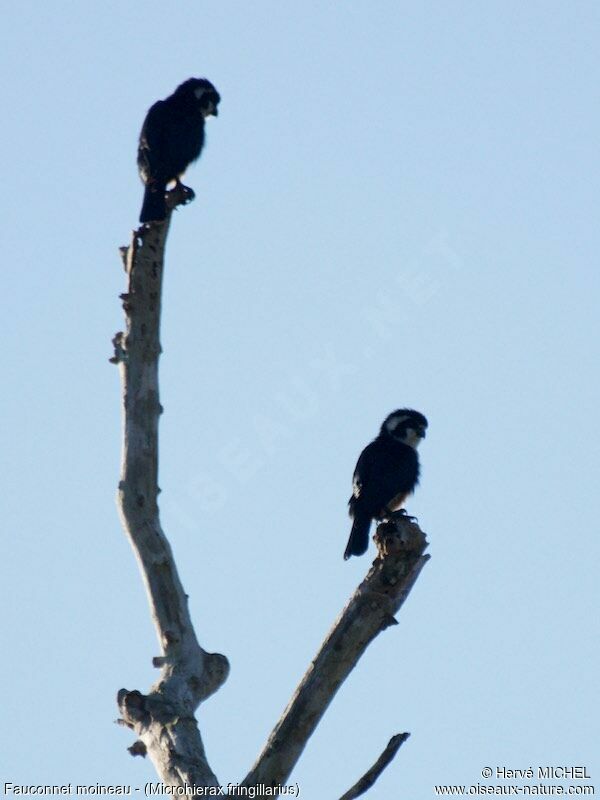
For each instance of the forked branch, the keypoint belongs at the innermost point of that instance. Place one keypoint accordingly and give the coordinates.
(163, 719)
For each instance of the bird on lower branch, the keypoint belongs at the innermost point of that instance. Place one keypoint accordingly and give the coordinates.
(172, 137)
(386, 473)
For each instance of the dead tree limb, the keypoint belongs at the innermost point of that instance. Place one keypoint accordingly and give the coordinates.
(163, 720)
(371, 609)
(368, 779)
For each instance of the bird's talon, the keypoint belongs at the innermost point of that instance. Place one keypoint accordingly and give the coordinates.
(401, 514)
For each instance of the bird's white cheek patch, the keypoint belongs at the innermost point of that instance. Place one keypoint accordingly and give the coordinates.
(395, 421)
(412, 439)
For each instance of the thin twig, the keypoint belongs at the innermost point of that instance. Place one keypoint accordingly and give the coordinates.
(369, 778)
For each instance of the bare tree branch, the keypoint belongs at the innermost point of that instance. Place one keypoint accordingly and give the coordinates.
(369, 778)
(371, 610)
(163, 719)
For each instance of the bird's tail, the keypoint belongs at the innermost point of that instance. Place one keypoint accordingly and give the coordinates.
(154, 206)
(359, 536)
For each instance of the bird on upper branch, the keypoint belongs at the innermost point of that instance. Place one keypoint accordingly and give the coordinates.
(386, 473)
(172, 137)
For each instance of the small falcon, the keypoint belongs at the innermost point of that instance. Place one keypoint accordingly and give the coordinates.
(172, 137)
(386, 473)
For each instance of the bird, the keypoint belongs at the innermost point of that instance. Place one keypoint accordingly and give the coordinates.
(172, 136)
(386, 473)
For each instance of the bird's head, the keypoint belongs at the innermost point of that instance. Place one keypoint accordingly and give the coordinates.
(406, 426)
(204, 94)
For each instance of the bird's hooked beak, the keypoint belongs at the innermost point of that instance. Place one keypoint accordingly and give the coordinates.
(210, 110)
(422, 433)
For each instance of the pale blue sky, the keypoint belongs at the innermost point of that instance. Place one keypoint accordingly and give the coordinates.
(398, 205)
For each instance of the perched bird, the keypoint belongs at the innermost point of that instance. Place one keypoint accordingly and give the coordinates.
(386, 473)
(172, 137)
